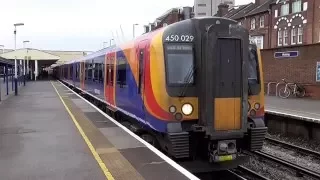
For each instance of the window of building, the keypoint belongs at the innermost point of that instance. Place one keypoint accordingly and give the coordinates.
(300, 35)
(280, 38)
(202, 5)
(296, 6)
(305, 6)
(253, 23)
(285, 37)
(276, 13)
(262, 21)
(284, 9)
(293, 36)
(202, 14)
(258, 40)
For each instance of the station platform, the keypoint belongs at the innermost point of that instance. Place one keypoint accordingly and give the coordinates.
(49, 132)
(298, 108)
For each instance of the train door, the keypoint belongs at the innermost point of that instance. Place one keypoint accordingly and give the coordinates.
(82, 74)
(228, 84)
(142, 56)
(109, 83)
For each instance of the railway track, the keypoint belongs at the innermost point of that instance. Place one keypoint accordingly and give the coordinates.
(290, 165)
(244, 173)
(294, 147)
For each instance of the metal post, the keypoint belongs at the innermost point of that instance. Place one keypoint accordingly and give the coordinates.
(1, 88)
(24, 72)
(15, 63)
(4, 74)
(7, 78)
(12, 82)
(15, 59)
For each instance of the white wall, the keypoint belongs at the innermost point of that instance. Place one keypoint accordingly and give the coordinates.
(209, 7)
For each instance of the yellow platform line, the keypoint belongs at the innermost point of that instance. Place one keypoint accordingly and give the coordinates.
(86, 139)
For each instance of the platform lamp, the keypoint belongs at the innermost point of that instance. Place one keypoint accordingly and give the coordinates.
(133, 30)
(24, 64)
(111, 41)
(15, 58)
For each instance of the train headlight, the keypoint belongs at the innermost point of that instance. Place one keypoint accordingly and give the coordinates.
(256, 106)
(172, 109)
(187, 109)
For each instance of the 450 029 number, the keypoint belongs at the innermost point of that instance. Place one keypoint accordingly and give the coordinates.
(183, 38)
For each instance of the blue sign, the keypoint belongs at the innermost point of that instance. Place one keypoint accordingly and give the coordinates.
(318, 72)
(287, 54)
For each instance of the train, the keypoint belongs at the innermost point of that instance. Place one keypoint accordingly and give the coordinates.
(194, 89)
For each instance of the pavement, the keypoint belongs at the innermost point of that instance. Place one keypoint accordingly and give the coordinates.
(306, 109)
(38, 139)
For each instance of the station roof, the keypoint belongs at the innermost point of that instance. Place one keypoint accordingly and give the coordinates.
(5, 61)
(34, 54)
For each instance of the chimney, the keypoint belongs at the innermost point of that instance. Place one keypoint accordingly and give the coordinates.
(222, 10)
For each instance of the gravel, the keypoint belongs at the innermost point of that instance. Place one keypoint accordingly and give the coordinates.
(272, 170)
(292, 156)
(299, 141)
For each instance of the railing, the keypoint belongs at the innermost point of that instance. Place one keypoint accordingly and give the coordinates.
(277, 86)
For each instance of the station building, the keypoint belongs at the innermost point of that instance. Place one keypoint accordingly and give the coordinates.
(38, 61)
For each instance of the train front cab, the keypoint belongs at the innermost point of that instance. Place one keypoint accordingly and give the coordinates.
(222, 89)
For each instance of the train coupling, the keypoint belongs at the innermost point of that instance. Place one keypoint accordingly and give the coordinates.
(221, 151)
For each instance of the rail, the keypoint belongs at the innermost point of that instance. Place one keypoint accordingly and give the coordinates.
(286, 163)
(292, 146)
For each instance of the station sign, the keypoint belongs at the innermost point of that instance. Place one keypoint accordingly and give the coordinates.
(286, 54)
(318, 72)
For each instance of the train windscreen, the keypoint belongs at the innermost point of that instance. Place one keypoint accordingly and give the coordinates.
(179, 64)
(253, 70)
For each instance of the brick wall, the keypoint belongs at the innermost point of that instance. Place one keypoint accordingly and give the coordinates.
(316, 22)
(301, 69)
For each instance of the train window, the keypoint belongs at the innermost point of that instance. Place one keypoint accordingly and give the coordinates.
(90, 68)
(101, 73)
(71, 71)
(121, 71)
(141, 58)
(95, 71)
(253, 67)
(179, 64)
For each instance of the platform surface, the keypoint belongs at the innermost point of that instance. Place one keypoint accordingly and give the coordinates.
(300, 108)
(40, 139)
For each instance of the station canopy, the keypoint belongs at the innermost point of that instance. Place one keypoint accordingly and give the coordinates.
(32, 54)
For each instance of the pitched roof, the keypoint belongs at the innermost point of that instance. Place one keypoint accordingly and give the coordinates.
(244, 11)
(233, 11)
(5, 61)
(262, 8)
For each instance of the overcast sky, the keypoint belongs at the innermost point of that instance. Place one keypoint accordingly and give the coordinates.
(78, 24)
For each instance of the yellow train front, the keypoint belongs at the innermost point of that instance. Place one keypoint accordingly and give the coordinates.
(208, 76)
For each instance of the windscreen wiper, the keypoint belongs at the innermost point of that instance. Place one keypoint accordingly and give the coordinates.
(186, 81)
